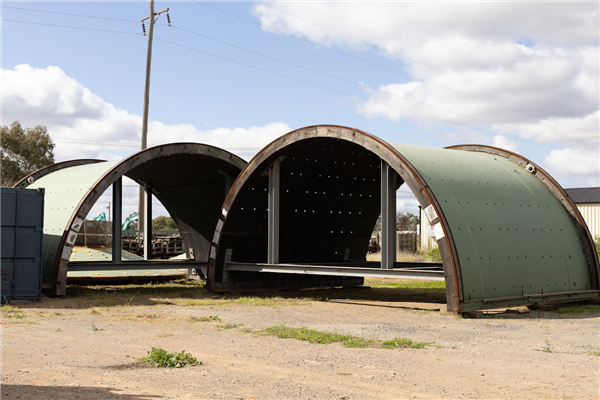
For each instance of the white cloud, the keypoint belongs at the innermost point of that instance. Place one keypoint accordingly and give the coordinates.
(245, 142)
(539, 52)
(503, 143)
(83, 125)
(581, 166)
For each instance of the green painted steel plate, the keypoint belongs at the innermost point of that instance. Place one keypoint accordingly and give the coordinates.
(512, 235)
(64, 188)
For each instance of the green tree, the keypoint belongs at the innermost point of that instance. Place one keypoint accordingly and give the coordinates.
(405, 221)
(23, 150)
(162, 223)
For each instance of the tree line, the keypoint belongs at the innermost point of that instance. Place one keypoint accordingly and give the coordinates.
(22, 151)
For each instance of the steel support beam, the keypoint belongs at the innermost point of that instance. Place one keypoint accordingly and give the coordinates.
(273, 212)
(117, 211)
(227, 182)
(147, 222)
(404, 273)
(90, 266)
(388, 216)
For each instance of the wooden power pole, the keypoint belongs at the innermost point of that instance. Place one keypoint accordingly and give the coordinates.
(151, 17)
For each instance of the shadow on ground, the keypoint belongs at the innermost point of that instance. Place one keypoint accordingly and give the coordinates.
(395, 293)
(68, 393)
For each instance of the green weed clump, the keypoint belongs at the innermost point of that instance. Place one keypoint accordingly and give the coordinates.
(313, 336)
(406, 284)
(229, 326)
(434, 255)
(577, 309)
(207, 319)
(9, 311)
(597, 243)
(163, 359)
(404, 342)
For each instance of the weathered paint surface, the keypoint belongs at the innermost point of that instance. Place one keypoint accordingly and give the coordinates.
(189, 179)
(512, 234)
(506, 235)
(65, 189)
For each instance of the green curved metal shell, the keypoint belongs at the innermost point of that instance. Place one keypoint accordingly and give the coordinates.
(65, 188)
(189, 179)
(506, 235)
(513, 235)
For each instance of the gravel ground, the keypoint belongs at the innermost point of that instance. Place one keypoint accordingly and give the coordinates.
(75, 349)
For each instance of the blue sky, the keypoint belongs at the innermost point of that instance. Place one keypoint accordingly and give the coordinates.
(522, 76)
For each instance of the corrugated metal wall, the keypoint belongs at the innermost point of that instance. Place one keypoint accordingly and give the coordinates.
(591, 214)
(22, 216)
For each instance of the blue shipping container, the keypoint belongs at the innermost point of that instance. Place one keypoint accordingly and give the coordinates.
(22, 219)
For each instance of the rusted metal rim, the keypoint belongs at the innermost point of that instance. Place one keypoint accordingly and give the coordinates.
(55, 167)
(584, 234)
(383, 150)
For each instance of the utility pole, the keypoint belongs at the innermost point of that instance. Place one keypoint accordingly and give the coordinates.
(152, 19)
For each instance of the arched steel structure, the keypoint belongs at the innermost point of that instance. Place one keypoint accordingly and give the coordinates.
(507, 232)
(191, 180)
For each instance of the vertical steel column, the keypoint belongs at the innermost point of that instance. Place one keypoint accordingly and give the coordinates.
(388, 216)
(117, 199)
(273, 213)
(147, 222)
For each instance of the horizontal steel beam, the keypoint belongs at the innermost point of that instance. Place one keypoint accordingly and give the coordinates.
(85, 266)
(377, 264)
(403, 273)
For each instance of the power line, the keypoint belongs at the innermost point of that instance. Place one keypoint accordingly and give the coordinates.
(388, 69)
(70, 27)
(360, 97)
(307, 82)
(420, 62)
(137, 145)
(69, 14)
(315, 71)
(359, 85)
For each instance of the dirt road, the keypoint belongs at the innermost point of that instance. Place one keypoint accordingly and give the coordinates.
(88, 345)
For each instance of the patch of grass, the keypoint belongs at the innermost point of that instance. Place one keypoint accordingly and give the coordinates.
(95, 328)
(57, 314)
(434, 255)
(355, 341)
(229, 326)
(547, 348)
(312, 336)
(594, 353)
(94, 312)
(6, 308)
(9, 311)
(404, 342)
(108, 302)
(405, 284)
(227, 299)
(163, 359)
(58, 330)
(578, 309)
(207, 319)
(203, 303)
